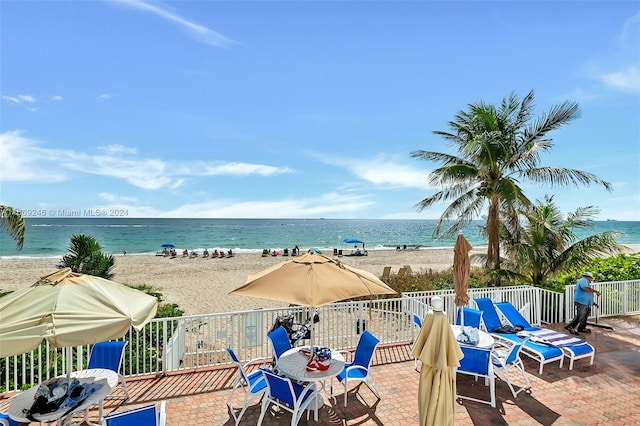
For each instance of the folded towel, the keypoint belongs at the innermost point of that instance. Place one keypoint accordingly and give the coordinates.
(469, 336)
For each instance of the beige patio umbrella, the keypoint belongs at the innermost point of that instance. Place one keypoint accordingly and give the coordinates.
(70, 309)
(461, 272)
(436, 347)
(312, 280)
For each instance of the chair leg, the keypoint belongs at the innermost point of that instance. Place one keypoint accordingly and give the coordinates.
(124, 387)
(263, 410)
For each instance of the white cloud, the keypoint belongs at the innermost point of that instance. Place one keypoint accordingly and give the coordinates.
(324, 205)
(21, 159)
(117, 148)
(627, 80)
(112, 198)
(57, 98)
(104, 97)
(383, 170)
(242, 169)
(199, 32)
(24, 160)
(19, 99)
(27, 98)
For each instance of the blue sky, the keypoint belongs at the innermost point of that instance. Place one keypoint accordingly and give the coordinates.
(298, 108)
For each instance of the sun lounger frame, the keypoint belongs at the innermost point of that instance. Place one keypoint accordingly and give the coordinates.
(511, 314)
(541, 353)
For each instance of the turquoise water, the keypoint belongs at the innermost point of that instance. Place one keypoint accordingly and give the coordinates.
(49, 237)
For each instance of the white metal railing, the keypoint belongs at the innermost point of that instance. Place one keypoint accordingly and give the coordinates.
(200, 340)
(617, 298)
(538, 305)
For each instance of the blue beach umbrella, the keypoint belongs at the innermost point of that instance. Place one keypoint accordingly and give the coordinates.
(168, 245)
(352, 241)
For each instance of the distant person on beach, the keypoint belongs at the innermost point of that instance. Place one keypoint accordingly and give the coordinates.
(185, 253)
(124, 253)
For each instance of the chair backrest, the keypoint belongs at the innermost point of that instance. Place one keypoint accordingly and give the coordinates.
(417, 321)
(489, 314)
(143, 416)
(236, 362)
(279, 387)
(472, 317)
(107, 355)
(476, 360)
(279, 341)
(514, 316)
(365, 349)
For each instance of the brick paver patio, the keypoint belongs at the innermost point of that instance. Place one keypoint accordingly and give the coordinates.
(602, 393)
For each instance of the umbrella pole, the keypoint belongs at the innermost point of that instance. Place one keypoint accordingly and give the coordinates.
(69, 351)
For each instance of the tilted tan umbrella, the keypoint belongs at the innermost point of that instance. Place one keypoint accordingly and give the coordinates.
(436, 347)
(69, 309)
(461, 271)
(312, 280)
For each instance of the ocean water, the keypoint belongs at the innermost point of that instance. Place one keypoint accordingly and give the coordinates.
(49, 237)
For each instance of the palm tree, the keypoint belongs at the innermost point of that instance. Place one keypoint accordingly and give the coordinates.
(497, 146)
(546, 244)
(13, 222)
(85, 256)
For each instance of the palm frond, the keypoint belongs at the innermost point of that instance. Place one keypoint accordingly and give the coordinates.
(12, 222)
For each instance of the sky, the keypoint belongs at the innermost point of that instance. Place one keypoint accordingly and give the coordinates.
(299, 109)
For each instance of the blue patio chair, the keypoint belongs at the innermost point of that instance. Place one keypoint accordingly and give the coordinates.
(477, 362)
(543, 354)
(253, 385)
(287, 395)
(359, 369)
(143, 416)
(5, 420)
(109, 355)
(280, 343)
(507, 359)
(472, 317)
(578, 348)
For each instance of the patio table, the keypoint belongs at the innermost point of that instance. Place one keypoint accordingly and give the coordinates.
(64, 416)
(293, 364)
(486, 341)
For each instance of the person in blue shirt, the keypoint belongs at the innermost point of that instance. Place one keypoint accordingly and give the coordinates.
(583, 300)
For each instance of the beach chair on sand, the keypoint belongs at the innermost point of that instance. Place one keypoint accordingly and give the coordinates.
(386, 272)
(542, 353)
(572, 347)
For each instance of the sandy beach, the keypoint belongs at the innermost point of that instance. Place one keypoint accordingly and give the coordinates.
(201, 285)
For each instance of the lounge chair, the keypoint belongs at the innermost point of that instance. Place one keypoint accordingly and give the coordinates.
(544, 354)
(572, 347)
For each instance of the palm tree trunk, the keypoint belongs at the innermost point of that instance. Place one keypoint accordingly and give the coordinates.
(493, 231)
